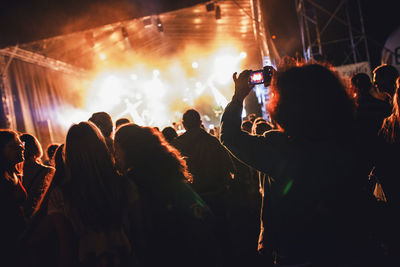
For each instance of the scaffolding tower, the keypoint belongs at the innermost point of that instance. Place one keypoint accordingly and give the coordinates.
(333, 31)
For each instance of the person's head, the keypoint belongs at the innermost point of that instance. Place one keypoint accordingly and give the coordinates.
(310, 101)
(121, 121)
(360, 84)
(11, 149)
(91, 172)
(385, 78)
(191, 119)
(104, 122)
(247, 125)
(169, 133)
(145, 150)
(85, 146)
(50, 150)
(33, 149)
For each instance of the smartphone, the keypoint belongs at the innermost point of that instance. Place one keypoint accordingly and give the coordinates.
(262, 76)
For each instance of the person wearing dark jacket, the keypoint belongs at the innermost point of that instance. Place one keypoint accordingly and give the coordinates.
(178, 225)
(315, 212)
(37, 177)
(12, 197)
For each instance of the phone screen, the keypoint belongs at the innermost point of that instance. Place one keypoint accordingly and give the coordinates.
(256, 77)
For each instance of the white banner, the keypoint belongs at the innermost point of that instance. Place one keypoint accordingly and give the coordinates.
(346, 71)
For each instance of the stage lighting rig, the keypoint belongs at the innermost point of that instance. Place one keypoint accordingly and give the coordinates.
(217, 12)
(160, 26)
(210, 7)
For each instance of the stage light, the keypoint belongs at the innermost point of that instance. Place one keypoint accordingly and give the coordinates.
(156, 73)
(147, 22)
(210, 7)
(243, 55)
(195, 65)
(103, 56)
(160, 26)
(218, 12)
(124, 32)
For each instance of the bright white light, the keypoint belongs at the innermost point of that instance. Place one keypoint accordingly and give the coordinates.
(195, 65)
(156, 73)
(111, 90)
(71, 115)
(198, 84)
(155, 89)
(103, 56)
(243, 55)
(133, 77)
(211, 126)
(224, 66)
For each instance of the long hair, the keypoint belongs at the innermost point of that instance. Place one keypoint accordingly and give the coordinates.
(5, 137)
(58, 162)
(310, 101)
(391, 125)
(33, 148)
(94, 191)
(147, 151)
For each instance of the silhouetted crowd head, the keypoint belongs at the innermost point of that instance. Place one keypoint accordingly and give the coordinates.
(132, 195)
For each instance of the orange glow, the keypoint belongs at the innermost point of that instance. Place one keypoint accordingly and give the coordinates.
(154, 91)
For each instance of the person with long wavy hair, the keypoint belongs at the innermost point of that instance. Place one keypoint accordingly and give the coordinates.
(315, 212)
(173, 214)
(391, 126)
(12, 196)
(98, 201)
(37, 178)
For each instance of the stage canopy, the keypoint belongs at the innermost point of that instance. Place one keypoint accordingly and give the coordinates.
(148, 69)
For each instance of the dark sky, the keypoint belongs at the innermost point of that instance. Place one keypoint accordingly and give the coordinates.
(27, 20)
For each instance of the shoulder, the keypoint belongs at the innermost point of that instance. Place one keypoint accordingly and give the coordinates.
(179, 139)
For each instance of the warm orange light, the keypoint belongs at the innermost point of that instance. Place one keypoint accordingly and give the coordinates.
(155, 91)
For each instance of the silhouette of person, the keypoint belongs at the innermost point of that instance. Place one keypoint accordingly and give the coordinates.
(312, 158)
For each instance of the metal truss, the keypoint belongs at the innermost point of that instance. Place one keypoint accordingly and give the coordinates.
(335, 33)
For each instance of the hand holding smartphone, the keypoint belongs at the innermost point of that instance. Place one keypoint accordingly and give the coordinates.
(262, 76)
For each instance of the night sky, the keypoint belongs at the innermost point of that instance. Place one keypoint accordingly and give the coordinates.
(28, 20)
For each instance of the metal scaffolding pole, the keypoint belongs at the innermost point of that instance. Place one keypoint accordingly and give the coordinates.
(338, 23)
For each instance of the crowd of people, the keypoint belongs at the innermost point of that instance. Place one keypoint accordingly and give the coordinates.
(314, 185)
